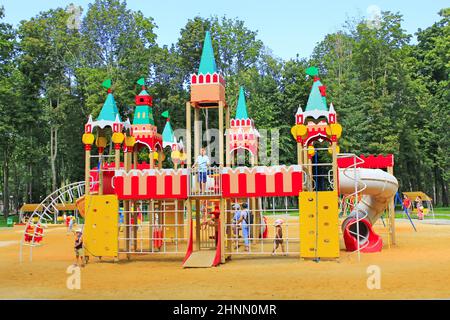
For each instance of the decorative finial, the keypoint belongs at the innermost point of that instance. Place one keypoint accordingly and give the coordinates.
(165, 114)
(141, 82)
(312, 71)
(107, 84)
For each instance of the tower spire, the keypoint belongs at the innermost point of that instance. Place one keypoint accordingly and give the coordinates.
(317, 97)
(241, 109)
(207, 61)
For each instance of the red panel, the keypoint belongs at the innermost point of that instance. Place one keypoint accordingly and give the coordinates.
(370, 161)
(118, 185)
(260, 184)
(242, 181)
(297, 182)
(226, 185)
(151, 186)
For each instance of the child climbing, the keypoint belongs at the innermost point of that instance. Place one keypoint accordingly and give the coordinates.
(278, 241)
(79, 250)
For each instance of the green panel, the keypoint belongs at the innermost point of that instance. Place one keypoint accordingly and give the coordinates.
(143, 115)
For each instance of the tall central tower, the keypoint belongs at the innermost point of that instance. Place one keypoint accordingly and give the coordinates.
(207, 91)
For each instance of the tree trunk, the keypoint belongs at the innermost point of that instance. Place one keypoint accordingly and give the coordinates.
(6, 185)
(53, 154)
(444, 192)
(30, 184)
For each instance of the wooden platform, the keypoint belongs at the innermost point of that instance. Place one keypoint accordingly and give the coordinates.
(200, 259)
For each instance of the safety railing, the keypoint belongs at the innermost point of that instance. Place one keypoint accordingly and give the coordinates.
(153, 227)
(205, 183)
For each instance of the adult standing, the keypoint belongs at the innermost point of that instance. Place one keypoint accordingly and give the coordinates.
(244, 221)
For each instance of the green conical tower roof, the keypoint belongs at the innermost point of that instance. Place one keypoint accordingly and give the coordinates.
(167, 135)
(143, 115)
(143, 93)
(109, 110)
(315, 100)
(241, 109)
(207, 61)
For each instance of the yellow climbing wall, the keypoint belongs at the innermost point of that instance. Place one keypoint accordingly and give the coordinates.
(100, 232)
(319, 224)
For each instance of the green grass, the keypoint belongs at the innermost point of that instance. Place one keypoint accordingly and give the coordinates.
(3, 220)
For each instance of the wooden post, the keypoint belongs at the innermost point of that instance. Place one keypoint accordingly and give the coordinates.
(187, 147)
(310, 171)
(223, 228)
(390, 170)
(221, 146)
(255, 220)
(335, 165)
(150, 159)
(197, 223)
(126, 203)
(228, 231)
(160, 157)
(87, 169)
(197, 133)
(227, 138)
(135, 157)
(299, 153)
(100, 172)
(117, 156)
(188, 205)
(151, 222)
(134, 226)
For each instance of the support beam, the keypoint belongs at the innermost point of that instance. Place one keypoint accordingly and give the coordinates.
(150, 159)
(87, 169)
(197, 224)
(227, 138)
(335, 165)
(197, 132)
(390, 170)
(117, 156)
(188, 145)
(221, 133)
(223, 228)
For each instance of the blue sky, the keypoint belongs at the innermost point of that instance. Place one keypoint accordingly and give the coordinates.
(287, 27)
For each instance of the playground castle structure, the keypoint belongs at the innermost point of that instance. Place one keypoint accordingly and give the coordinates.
(133, 207)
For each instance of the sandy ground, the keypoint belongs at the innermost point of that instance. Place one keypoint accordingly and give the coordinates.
(417, 267)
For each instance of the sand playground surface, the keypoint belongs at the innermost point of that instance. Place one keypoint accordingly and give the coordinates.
(418, 267)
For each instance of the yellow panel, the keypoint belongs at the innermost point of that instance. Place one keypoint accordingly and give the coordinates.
(307, 224)
(328, 225)
(100, 233)
(319, 224)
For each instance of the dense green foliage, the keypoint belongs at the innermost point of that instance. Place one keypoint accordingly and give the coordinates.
(391, 96)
